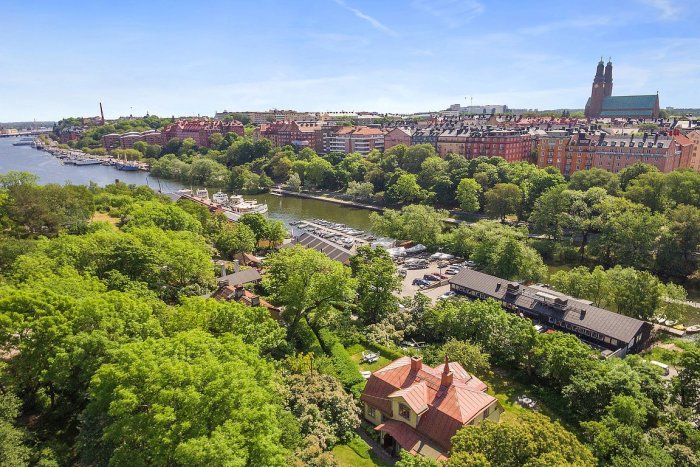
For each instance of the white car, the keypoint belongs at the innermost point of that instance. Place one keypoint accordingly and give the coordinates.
(446, 295)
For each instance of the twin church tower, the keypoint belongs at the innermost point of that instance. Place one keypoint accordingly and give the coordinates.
(603, 104)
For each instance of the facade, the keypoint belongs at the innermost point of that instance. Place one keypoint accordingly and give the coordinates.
(419, 408)
(603, 104)
(598, 327)
(666, 153)
(428, 135)
(396, 136)
(127, 140)
(298, 134)
(200, 130)
(512, 145)
(551, 150)
(360, 139)
(694, 136)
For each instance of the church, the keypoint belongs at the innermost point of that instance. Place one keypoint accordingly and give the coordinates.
(602, 104)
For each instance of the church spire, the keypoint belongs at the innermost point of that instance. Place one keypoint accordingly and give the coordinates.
(608, 78)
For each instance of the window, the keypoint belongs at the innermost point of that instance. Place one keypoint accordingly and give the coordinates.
(371, 411)
(404, 411)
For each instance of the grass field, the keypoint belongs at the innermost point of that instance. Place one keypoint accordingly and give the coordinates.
(356, 453)
(355, 352)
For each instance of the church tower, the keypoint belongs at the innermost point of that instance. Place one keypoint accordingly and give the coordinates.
(608, 79)
(595, 103)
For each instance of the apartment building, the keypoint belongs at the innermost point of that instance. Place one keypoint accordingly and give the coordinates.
(360, 139)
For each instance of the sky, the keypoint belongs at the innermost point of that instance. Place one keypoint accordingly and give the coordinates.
(62, 58)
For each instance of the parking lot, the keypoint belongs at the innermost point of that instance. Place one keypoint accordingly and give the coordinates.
(409, 290)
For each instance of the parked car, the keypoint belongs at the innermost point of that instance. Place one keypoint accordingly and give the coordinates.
(447, 294)
(431, 277)
(470, 264)
(438, 275)
(420, 282)
(451, 272)
(402, 272)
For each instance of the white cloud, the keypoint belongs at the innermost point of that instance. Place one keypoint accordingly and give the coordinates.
(375, 23)
(452, 13)
(667, 8)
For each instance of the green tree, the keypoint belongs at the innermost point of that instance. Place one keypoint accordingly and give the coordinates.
(530, 440)
(309, 285)
(583, 180)
(377, 283)
(631, 172)
(235, 238)
(294, 183)
(650, 190)
(678, 242)
(14, 451)
(468, 195)
(360, 190)
(503, 199)
(405, 190)
(186, 400)
(324, 410)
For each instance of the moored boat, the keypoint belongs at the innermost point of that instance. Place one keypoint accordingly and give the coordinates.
(243, 206)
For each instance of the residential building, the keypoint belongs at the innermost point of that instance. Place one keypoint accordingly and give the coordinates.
(360, 139)
(200, 130)
(665, 152)
(514, 145)
(426, 135)
(298, 134)
(396, 136)
(603, 104)
(419, 408)
(694, 136)
(127, 140)
(612, 332)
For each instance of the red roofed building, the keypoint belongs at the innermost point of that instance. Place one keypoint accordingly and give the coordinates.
(200, 130)
(298, 134)
(419, 408)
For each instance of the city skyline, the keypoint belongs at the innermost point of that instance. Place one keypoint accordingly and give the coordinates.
(162, 58)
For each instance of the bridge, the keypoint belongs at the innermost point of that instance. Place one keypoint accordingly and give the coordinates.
(38, 132)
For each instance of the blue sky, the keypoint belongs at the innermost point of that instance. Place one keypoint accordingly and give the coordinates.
(61, 58)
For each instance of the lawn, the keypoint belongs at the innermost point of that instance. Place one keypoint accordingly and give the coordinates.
(104, 217)
(355, 352)
(355, 453)
(506, 389)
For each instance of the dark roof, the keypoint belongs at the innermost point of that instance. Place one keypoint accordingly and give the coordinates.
(330, 249)
(617, 103)
(242, 277)
(615, 325)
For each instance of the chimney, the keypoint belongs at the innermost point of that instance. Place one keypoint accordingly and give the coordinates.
(239, 291)
(236, 266)
(447, 375)
(255, 300)
(223, 269)
(416, 363)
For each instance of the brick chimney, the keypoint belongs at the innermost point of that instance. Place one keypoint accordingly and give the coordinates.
(255, 300)
(416, 363)
(239, 292)
(447, 375)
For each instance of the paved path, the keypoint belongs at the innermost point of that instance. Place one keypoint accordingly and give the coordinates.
(377, 450)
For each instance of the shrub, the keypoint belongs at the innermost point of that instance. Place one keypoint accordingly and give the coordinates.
(306, 340)
(347, 371)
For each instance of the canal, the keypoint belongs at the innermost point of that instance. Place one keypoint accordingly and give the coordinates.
(51, 170)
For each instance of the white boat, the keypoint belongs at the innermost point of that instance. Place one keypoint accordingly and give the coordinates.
(185, 192)
(87, 162)
(24, 142)
(243, 206)
(220, 197)
(202, 193)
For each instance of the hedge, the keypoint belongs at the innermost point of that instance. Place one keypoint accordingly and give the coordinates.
(306, 340)
(348, 371)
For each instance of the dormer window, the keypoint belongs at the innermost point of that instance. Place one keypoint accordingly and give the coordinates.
(404, 411)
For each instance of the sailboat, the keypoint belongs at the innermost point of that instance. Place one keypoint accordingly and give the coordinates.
(126, 166)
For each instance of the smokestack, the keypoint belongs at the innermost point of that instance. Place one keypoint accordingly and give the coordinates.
(236, 266)
(447, 376)
(416, 363)
(102, 114)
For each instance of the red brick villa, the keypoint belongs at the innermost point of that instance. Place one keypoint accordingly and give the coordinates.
(419, 408)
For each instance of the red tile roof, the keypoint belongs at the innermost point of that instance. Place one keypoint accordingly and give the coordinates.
(409, 439)
(445, 400)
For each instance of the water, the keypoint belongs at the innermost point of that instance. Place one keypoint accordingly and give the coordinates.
(51, 170)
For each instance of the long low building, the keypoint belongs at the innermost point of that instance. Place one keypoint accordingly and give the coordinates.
(596, 326)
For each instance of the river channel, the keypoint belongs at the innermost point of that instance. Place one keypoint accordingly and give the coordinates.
(51, 170)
